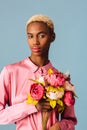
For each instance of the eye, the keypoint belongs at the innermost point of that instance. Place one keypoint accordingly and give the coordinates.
(42, 35)
(30, 36)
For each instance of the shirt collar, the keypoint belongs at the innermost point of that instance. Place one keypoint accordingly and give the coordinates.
(35, 68)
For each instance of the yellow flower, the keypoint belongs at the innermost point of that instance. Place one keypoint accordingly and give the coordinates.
(30, 100)
(52, 103)
(50, 71)
(51, 88)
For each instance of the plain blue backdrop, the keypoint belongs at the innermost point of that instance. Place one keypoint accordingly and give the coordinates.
(68, 52)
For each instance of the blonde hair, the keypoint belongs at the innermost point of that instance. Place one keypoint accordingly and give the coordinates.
(41, 18)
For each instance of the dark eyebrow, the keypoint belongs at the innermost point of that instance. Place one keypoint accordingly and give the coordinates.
(37, 33)
(29, 33)
(42, 32)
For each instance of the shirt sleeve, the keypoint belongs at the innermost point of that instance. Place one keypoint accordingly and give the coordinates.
(16, 112)
(68, 119)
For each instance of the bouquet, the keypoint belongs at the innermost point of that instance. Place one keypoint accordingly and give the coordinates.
(54, 87)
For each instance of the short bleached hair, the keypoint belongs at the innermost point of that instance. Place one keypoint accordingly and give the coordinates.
(41, 18)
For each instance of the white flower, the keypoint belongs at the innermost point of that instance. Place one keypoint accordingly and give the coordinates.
(67, 73)
(41, 79)
(55, 95)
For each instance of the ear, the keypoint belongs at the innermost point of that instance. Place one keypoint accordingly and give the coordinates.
(53, 37)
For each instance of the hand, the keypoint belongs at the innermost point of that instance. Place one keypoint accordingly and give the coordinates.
(43, 106)
(55, 127)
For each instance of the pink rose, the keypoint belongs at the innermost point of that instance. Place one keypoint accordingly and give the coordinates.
(37, 91)
(69, 98)
(56, 79)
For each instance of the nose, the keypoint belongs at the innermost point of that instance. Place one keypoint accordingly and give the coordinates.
(36, 41)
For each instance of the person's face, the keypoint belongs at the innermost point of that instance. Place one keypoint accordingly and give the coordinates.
(39, 38)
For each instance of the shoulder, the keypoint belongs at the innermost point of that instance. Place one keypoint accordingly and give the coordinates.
(14, 66)
(54, 68)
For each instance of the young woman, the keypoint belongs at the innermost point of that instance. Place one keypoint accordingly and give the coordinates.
(15, 83)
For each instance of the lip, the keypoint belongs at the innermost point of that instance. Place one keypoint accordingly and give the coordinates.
(36, 49)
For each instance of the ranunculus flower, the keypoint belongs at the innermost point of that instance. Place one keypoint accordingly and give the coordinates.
(55, 79)
(69, 98)
(55, 95)
(69, 87)
(37, 91)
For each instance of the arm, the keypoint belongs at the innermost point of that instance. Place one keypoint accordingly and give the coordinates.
(15, 112)
(67, 122)
(68, 119)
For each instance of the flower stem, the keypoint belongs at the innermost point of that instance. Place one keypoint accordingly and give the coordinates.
(45, 116)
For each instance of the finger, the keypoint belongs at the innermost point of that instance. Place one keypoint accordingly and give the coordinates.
(45, 105)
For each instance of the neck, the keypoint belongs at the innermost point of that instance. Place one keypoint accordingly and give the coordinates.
(39, 61)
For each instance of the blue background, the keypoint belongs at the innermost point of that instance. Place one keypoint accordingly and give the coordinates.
(67, 53)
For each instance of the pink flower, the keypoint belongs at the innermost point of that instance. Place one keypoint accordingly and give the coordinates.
(69, 87)
(37, 91)
(56, 79)
(69, 98)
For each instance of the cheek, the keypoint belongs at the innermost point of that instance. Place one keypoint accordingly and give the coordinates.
(29, 42)
(46, 47)
(46, 43)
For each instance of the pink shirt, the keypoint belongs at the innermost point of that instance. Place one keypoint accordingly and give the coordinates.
(14, 87)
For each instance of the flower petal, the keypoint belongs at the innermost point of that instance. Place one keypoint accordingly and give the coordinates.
(52, 103)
